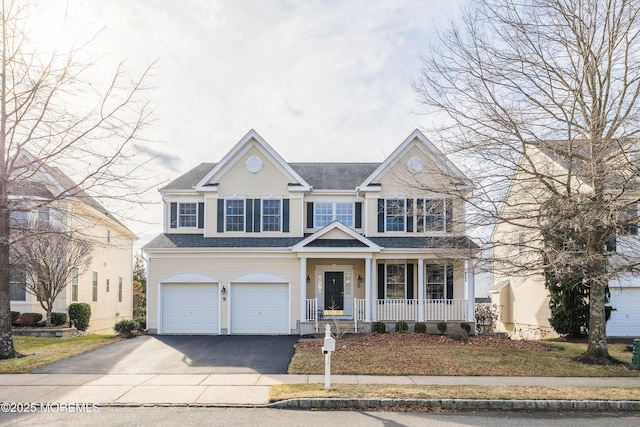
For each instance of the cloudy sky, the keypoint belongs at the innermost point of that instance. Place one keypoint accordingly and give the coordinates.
(319, 80)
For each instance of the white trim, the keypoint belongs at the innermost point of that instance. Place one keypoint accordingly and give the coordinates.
(258, 278)
(419, 140)
(252, 138)
(370, 246)
(188, 278)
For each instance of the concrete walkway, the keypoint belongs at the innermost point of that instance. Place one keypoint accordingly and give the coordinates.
(226, 389)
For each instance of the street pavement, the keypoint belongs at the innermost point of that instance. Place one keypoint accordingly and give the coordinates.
(226, 389)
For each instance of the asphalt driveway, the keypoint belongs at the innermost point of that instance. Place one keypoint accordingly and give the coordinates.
(183, 355)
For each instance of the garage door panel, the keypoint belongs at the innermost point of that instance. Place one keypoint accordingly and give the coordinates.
(190, 309)
(625, 319)
(260, 309)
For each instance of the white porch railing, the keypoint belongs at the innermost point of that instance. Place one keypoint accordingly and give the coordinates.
(434, 309)
(446, 309)
(401, 309)
(359, 313)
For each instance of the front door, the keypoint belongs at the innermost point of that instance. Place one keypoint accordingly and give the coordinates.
(334, 293)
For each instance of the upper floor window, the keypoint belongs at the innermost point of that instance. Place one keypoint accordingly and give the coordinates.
(187, 214)
(395, 214)
(271, 215)
(18, 219)
(630, 219)
(119, 289)
(234, 214)
(435, 214)
(44, 215)
(326, 212)
(94, 287)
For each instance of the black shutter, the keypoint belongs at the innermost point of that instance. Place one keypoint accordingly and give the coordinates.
(381, 281)
(409, 215)
(449, 214)
(449, 268)
(285, 215)
(248, 217)
(380, 215)
(420, 213)
(256, 215)
(200, 215)
(220, 215)
(409, 281)
(309, 214)
(358, 219)
(173, 223)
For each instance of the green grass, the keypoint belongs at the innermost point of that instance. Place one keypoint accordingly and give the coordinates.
(38, 352)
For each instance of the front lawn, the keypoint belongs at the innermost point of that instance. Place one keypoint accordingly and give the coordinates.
(421, 354)
(43, 351)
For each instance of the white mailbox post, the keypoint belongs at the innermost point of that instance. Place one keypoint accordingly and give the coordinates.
(329, 347)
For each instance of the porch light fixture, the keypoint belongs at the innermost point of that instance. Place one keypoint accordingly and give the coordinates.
(359, 280)
(224, 290)
(308, 279)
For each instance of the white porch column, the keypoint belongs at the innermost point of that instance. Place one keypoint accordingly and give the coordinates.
(367, 290)
(470, 291)
(374, 290)
(303, 289)
(421, 290)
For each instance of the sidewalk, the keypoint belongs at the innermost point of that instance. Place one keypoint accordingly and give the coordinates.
(238, 389)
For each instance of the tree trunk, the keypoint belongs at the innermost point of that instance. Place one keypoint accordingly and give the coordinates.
(597, 349)
(7, 351)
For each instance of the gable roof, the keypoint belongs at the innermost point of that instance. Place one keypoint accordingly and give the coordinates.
(63, 187)
(419, 140)
(334, 176)
(348, 239)
(251, 139)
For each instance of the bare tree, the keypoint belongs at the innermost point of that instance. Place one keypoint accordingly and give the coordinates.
(50, 258)
(541, 101)
(52, 108)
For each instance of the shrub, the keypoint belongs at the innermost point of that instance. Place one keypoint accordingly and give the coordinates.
(27, 319)
(58, 319)
(442, 327)
(79, 315)
(142, 322)
(379, 327)
(466, 327)
(15, 315)
(486, 317)
(126, 327)
(420, 327)
(402, 326)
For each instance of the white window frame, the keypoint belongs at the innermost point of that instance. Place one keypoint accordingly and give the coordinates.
(332, 215)
(386, 279)
(444, 282)
(22, 286)
(437, 215)
(187, 216)
(263, 216)
(242, 215)
(74, 285)
(389, 199)
(94, 287)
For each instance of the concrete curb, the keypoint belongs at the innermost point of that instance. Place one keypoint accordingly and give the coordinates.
(462, 404)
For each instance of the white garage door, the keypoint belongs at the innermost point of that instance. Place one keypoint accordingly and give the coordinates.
(260, 309)
(190, 309)
(625, 320)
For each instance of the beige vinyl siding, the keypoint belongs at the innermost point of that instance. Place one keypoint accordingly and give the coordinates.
(238, 180)
(223, 268)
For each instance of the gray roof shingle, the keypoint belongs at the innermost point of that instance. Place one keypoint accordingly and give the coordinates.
(175, 241)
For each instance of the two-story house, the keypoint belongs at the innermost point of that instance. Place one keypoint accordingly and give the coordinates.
(255, 245)
(519, 293)
(45, 193)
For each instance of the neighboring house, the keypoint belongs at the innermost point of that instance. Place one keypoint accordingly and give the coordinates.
(50, 195)
(520, 296)
(256, 245)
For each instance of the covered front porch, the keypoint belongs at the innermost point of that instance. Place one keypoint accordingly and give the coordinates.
(357, 292)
